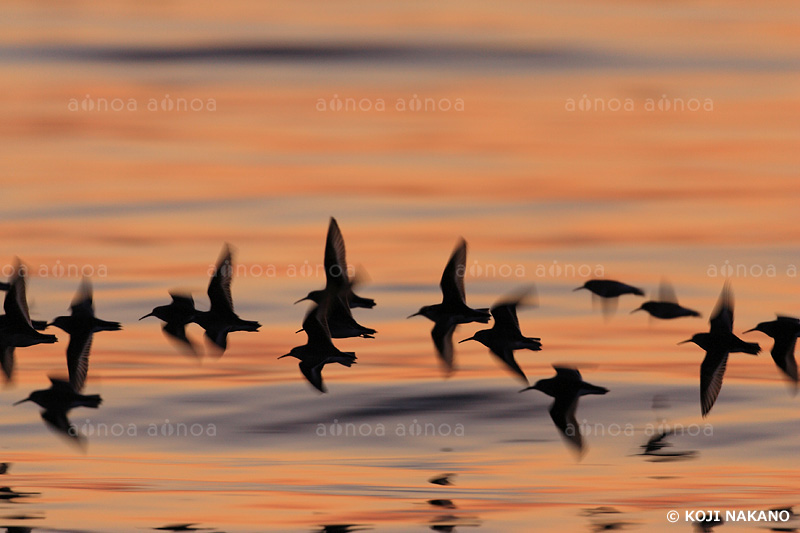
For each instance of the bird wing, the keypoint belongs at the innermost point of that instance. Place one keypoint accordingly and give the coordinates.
(783, 354)
(666, 292)
(711, 372)
(315, 325)
(57, 419)
(219, 288)
(16, 303)
(565, 372)
(78, 358)
(507, 356)
(563, 414)
(452, 282)
(722, 317)
(177, 330)
(442, 334)
(335, 257)
(182, 301)
(505, 318)
(7, 361)
(82, 302)
(313, 373)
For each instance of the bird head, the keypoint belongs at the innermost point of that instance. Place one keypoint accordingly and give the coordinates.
(314, 296)
(763, 327)
(426, 311)
(480, 336)
(697, 338)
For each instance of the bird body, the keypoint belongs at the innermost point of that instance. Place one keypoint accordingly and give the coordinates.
(176, 315)
(784, 331)
(606, 288)
(666, 307)
(58, 401)
(566, 388)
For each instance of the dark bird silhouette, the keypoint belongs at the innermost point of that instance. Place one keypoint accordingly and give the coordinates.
(181, 527)
(606, 288)
(658, 442)
(81, 326)
(718, 343)
(442, 479)
(16, 330)
(337, 280)
(566, 387)
(444, 504)
(784, 332)
(666, 307)
(505, 335)
(341, 528)
(454, 309)
(9, 494)
(319, 350)
(176, 315)
(58, 401)
(221, 318)
(4, 468)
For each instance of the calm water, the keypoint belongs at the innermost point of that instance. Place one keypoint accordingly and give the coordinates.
(561, 142)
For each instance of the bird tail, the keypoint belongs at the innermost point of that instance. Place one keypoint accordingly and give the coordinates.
(93, 401)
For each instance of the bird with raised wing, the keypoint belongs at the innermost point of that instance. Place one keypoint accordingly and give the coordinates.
(176, 315)
(454, 309)
(319, 350)
(566, 387)
(16, 329)
(505, 335)
(718, 343)
(81, 325)
(57, 402)
(221, 318)
(666, 307)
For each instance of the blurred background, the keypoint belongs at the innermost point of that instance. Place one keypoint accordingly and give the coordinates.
(632, 140)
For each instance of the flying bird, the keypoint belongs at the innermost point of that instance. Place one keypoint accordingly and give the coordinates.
(505, 335)
(718, 343)
(606, 288)
(337, 279)
(666, 307)
(454, 309)
(16, 329)
(319, 350)
(221, 318)
(176, 315)
(784, 331)
(57, 402)
(81, 325)
(566, 387)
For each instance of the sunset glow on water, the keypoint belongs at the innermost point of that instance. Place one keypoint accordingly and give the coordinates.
(632, 141)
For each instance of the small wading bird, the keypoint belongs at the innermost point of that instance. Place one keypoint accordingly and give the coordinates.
(319, 350)
(607, 291)
(784, 332)
(566, 387)
(337, 297)
(81, 326)
(221, 319)
(57, 402)
(505, 335)
(336, 276)
(16, 329)
(176, 315)
(666, 307)
(454, 309)
(718, 343)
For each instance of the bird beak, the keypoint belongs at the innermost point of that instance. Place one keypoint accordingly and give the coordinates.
(749, 330)
(301, 300)
(637, 309)
(287, 355)
(299, 330)
(21, 401)
(147, 315)
(465, 340)
(415, 314)
(684, 342)
(527, 388)
(579, 288)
